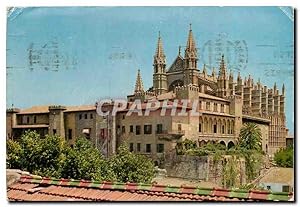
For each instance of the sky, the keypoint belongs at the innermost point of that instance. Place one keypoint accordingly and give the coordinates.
(78, 55)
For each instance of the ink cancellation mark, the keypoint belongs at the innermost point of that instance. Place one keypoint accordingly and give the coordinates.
(235, 53)
(280, 62)
(120, 53)
(49, 57)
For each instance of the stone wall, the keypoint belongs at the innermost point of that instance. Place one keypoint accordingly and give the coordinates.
(200, 168)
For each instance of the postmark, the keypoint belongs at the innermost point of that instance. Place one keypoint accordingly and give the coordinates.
(235, 51)
(50, 57)
(278, 60)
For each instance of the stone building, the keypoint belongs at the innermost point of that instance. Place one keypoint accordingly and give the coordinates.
(225, 103)
(69, 122)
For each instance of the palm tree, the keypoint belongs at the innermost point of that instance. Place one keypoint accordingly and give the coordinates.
(250, 137)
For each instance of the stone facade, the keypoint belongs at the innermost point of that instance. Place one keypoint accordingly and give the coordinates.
(225, 103)
(202, 168)
(68, 122)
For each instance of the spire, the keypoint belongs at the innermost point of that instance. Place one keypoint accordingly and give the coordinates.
(190, 54)
(179, 51)
(213, 72)
(222, 71)
(231, 74)
(275, 87)
(159, 49)
(204, 69)
(239, 76)
(283, 89)
(191, 44)
(139, 83)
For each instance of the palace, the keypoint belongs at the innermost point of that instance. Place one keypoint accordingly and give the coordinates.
(225, 104)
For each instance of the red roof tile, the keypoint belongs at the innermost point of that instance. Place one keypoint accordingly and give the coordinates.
(33, 188)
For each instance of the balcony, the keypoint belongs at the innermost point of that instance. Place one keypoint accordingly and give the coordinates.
(169, 135)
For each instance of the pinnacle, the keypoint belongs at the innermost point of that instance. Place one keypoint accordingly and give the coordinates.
(191, 44)
(159, 49)
(139, 83)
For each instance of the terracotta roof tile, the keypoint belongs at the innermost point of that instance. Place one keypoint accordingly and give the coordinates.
(43, 109)
(32, 188)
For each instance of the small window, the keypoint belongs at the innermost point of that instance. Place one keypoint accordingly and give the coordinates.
(147, 129)
(80, 116)
(160, 148)
(215, 128)
(222, 108)
(123, 116)
(85, 116)
(207, 106)
(131, 147)
(159, 128)
(27, 119)
(200, 128)
(179, 127)
(223, 129)
(148, 148)
(91, 116)
(34, 119)
(200, 104)
(215, 107)
(54, 131)
(137, 129)
(131, 128)
(70, 134)
(138, 147)
(123, 129)
(286, 188)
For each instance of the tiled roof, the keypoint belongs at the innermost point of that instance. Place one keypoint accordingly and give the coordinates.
(80, 108)
(35, 109)
(45, 109)
(35, 188)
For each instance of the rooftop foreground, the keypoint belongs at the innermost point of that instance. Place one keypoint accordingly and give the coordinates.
(23, 186)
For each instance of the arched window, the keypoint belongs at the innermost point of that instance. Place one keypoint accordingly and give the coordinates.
(230, 144)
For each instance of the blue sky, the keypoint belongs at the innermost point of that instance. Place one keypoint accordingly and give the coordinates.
(81, 54)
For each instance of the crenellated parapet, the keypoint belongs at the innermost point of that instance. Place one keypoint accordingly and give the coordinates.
(57, 107)
(13, 110)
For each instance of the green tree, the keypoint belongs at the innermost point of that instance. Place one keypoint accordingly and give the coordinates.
(250, 137)
(130, 167)
(30, 143)
(230, 171)
(13, 155)
(39, 156)
(284, 157)
(51, 157)
(251, 149)
(85, 162)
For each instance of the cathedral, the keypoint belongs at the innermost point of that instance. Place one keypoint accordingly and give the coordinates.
(224, 105)
(225, 102)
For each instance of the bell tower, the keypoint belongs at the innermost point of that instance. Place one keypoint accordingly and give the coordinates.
(160, 85)
(191, 73)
